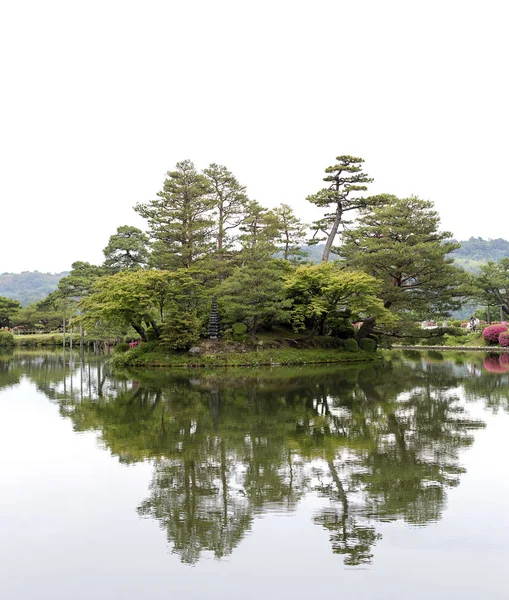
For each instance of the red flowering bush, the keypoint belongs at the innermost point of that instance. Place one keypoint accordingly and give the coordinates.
(503, 339)
(491, 333)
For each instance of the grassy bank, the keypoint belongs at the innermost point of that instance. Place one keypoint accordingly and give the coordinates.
(227, 354)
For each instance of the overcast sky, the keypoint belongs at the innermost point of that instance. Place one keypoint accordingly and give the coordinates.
(99, 99)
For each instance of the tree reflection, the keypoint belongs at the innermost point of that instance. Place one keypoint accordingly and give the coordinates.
(373, 443)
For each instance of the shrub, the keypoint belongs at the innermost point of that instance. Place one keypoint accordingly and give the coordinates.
(367, 344)
(6, 338)
(239, 332)
(491, 333)
(122, 347)
(350, 345)
(456, 324)
(503, 339)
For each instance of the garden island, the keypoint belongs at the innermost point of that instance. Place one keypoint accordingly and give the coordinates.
(219, 279)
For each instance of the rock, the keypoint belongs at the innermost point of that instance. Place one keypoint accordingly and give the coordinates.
(194, 351)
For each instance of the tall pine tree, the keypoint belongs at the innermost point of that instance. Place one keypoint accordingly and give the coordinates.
(180, 220)
(345, 179)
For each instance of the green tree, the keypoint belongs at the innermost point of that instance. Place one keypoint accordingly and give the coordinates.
(75, 287)
(345, 179)
(492, 284)
(321, 293)
(128, 298)
(229, 199)
(180, 221)
(42, 316)
(127, 249)
(79, 282)
(260, 229)
(186, 308)
(399, 243)
(291, 233)
(254, 293)
(9, 308)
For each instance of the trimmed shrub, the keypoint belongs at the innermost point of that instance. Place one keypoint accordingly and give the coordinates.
(503, 339)
(350, 345)
(367, 344)
(6, 338)
(491, 333)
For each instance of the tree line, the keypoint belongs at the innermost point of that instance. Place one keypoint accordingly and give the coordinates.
(385, 264)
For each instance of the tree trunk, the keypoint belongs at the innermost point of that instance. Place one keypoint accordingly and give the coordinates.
(220, 235)
(140, 331)
(155, 327)
(255, 325)
(366, 328)
(332, 234)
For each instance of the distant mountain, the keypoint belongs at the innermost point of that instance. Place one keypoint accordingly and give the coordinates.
(29, 286)
(476, 251)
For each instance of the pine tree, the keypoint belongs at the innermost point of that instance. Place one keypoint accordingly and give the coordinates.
(229, 199)
(399, 243)
(127, 249)
(291, 233)
(345, 178)
(180, 220)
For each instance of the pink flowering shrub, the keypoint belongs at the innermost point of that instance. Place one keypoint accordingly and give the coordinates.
(503, 339)
(133, 344)
(491, 333)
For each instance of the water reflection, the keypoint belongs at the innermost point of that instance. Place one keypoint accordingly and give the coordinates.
(371, 443)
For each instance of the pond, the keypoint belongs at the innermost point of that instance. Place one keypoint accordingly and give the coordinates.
(368, 481)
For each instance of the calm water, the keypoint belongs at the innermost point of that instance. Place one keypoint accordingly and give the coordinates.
(387, 481)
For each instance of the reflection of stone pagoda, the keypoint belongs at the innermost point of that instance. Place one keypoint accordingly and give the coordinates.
(214, 321)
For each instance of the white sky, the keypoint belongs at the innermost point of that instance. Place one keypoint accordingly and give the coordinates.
(99, 99)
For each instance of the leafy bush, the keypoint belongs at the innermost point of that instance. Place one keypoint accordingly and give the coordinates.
(456, 324)
(122, 347)
(503, 339)
(6, 338)
(491, 333)
(367, 344)
(239, 332)
(350, 345)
